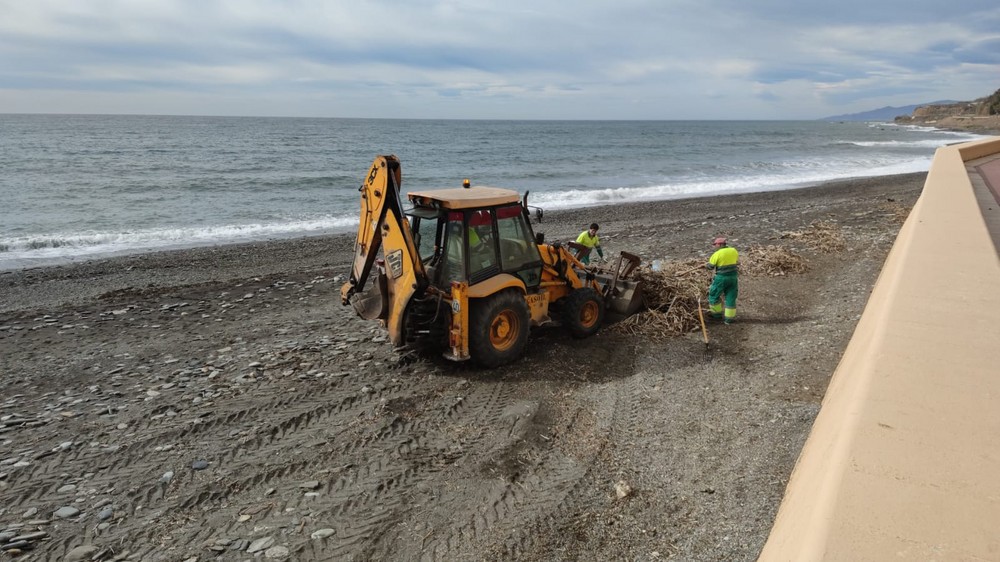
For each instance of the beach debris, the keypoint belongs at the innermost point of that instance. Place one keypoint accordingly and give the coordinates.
(673, 293)
(821, 236)
(671, 297)
(623, 489)
(771, 260)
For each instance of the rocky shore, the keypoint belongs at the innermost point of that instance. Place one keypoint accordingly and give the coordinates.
(977, 116)
(220, 404)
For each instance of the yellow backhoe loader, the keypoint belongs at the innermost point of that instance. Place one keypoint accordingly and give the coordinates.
(460, 269)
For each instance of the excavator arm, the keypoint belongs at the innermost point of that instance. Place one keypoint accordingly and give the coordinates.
(384, 227)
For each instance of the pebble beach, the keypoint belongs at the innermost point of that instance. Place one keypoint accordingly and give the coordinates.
(219, 402)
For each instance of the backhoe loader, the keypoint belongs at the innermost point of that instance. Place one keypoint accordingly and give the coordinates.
(461, 270)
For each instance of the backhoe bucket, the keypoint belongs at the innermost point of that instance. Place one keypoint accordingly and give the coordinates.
(622, 293)
(372, 304)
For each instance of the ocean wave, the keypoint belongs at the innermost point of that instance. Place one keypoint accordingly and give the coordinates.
(69, 202)
(925, 143)
(95, 244)
(948, 137)
(905, 127)
(806, 174)
(926, 129)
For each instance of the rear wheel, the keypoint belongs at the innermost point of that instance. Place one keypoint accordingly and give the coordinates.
(583, 312)
(499, 328)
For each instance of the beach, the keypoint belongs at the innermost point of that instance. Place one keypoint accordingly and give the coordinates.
(220, 402)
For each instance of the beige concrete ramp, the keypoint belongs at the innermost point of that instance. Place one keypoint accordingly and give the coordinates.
(903, 461)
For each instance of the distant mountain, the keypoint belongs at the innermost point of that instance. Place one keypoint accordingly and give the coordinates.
(884, 114)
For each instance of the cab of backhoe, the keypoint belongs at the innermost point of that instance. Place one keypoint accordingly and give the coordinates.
(473, 235)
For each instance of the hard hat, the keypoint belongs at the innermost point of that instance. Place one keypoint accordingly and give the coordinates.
(719, 241)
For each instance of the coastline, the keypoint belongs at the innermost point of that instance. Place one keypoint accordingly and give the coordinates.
(978, 124)
(244, 259)
(76, 213)
(309, 424)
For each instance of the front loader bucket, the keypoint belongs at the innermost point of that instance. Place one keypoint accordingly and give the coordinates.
(622, 293)
(626, 297)
(372, 304)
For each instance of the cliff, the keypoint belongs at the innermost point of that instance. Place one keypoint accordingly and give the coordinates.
(981, 115)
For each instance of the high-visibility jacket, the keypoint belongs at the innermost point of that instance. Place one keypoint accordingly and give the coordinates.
(725, 261)
(592, 242)
(588, 241)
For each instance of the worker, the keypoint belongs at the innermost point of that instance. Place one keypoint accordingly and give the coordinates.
(724, 262)
(589, 239)
(482, 253)
(479, 226)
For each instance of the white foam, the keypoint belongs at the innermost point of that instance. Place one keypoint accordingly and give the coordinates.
(17, 251)
(790, 175)
(926, 143)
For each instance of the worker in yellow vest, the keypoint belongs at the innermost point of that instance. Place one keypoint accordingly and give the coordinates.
(724, 262)
(589, 239)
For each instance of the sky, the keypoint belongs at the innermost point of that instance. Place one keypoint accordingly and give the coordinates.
(495, 59)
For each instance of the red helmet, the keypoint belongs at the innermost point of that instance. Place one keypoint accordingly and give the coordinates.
(719, 241)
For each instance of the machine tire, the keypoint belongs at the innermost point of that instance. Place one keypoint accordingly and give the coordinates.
(583, 312)
(499, 328)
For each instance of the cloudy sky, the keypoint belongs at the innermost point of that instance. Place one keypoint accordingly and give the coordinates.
(495, 59)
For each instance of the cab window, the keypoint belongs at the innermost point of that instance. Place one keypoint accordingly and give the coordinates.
(454, 253)
(483, 260)
(425, 231)
(518, 251)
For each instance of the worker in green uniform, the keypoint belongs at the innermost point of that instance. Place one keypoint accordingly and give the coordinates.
(724, 262)
(589, 239)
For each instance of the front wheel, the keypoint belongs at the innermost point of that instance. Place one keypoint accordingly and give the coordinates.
(583, 312)
(499, 328)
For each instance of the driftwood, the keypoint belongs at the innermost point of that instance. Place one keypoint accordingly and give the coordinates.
(671, 298)
(771, 261)
(822, 236)
(673, 294)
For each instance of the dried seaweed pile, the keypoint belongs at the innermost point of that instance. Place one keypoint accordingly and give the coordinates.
(822, 236)
(673, 294)
(672, 299)
(771, 260)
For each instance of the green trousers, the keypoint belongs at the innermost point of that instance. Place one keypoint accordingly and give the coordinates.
(727, 286)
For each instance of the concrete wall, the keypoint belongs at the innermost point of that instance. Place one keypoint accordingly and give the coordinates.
(903, 461)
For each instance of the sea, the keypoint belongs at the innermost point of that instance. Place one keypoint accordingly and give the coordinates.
(80, 187)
